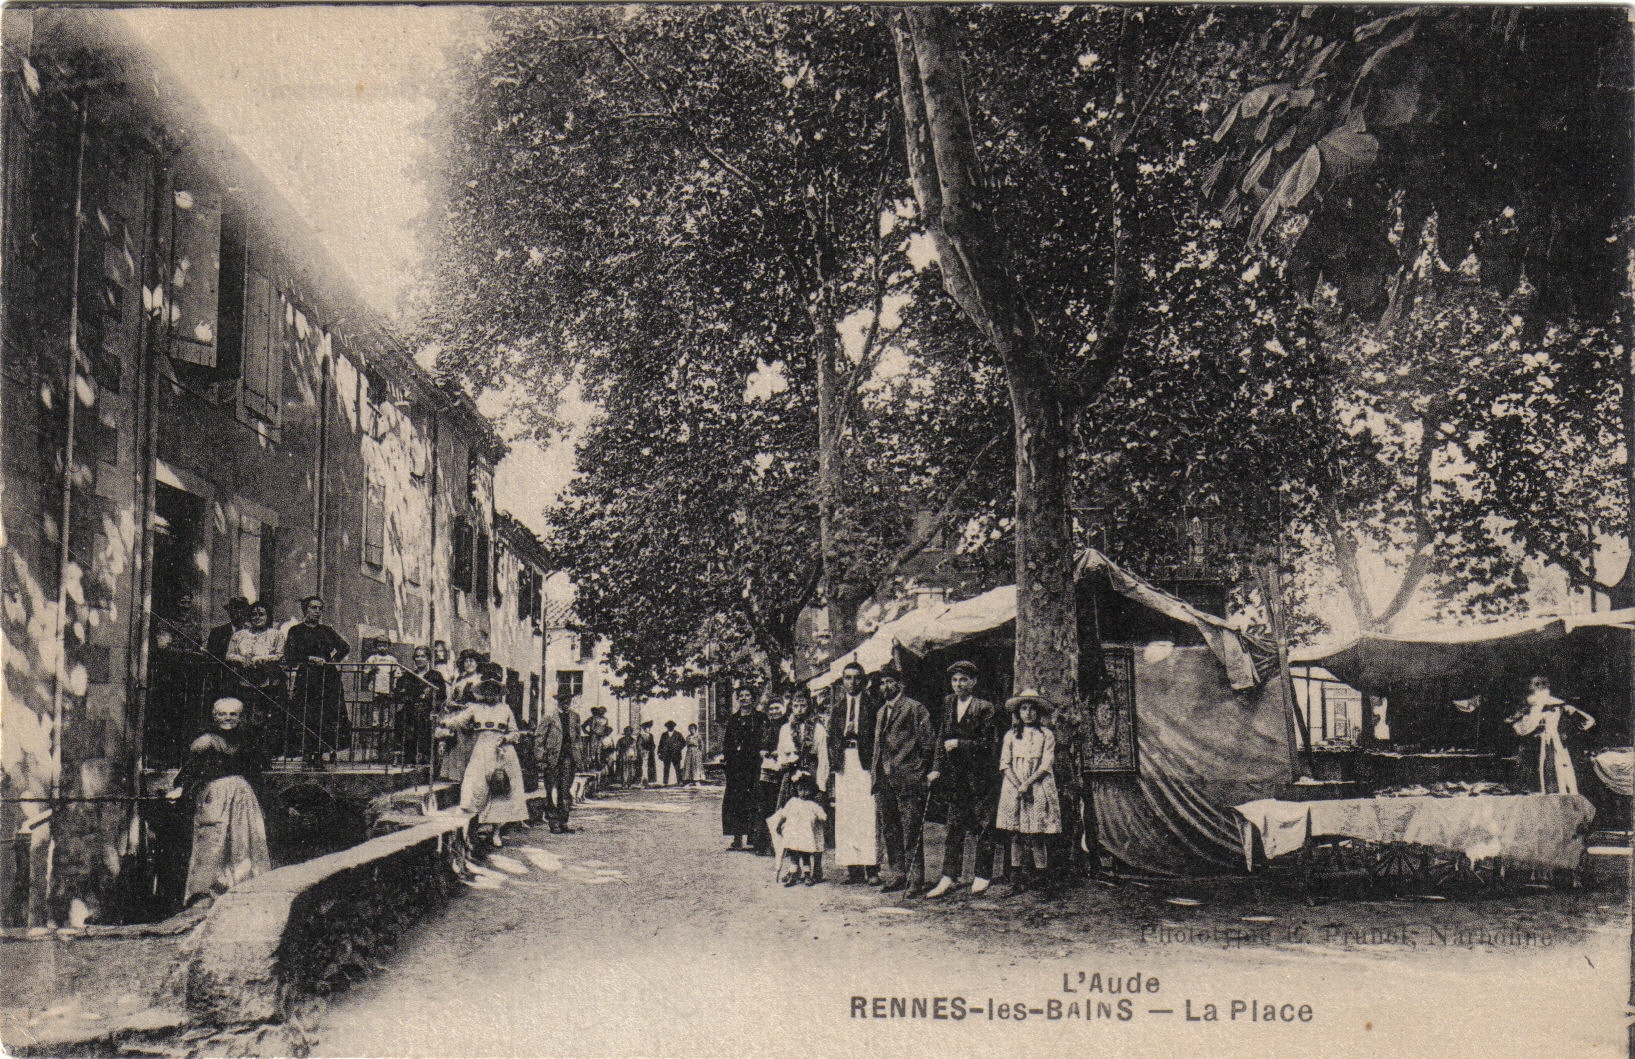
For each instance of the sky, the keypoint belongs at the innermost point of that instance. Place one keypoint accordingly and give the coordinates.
(330, 103)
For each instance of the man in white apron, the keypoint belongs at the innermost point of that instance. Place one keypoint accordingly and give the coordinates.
(851, 755)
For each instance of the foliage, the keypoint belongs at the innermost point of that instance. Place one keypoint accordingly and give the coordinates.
(679, 207)
(1507, 126)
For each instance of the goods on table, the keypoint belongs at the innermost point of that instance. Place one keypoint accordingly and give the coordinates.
(1446, 789)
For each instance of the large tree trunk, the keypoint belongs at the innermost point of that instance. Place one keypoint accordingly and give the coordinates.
(976, 272)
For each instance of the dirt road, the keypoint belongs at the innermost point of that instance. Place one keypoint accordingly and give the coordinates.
(641, 936)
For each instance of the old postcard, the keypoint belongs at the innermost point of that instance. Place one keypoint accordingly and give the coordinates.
(806, 529)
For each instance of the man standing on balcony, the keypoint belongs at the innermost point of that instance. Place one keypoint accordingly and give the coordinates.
(221, 637)
(317, 700)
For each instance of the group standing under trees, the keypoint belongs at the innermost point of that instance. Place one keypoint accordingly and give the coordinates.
(1310, 273)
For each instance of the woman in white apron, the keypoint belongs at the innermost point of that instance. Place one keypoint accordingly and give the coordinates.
(1544, 718)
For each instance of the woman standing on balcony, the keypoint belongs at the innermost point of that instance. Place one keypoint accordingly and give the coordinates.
(229, 832)
(255, 652)
(492, 787)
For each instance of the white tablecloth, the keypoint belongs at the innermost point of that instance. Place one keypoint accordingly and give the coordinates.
(1546, 830)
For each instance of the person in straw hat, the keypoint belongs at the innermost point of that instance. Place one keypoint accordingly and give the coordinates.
(1029, 807)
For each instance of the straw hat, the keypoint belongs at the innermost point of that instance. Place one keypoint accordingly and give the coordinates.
(1043, 704)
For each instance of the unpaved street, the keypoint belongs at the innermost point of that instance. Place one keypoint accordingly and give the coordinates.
(641, 936)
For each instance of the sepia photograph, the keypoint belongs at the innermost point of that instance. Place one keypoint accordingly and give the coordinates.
(816, 529)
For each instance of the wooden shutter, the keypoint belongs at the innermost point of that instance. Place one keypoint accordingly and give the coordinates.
(195, 266)
(374, 525)
(263, 320)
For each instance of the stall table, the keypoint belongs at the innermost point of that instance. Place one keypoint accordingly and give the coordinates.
(1422, 839)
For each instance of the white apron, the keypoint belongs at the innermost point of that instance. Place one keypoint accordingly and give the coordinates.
(854, 814)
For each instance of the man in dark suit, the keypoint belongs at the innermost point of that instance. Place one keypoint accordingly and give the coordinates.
(852, 715)
(556, 762)
(904, 747)
(966, 771)
(238, 615)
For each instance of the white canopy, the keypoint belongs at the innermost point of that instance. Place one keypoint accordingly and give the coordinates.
(926, 629)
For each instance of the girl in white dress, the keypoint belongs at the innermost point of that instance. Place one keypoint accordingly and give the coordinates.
(1028, 804)
(493, 748)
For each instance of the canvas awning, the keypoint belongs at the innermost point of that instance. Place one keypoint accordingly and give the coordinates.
(1462, 657)
(927, 629)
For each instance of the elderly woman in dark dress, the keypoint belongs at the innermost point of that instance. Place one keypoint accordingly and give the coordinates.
(229, 832)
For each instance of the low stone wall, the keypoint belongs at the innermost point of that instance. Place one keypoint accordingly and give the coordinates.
(312, 928)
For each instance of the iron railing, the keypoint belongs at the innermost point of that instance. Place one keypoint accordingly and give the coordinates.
(338, 715)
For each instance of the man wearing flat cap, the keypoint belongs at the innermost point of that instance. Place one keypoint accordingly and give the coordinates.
(966, 770)
(904, 747)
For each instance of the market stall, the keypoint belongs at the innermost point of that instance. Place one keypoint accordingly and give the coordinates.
(1440, 701)
(1191, 723)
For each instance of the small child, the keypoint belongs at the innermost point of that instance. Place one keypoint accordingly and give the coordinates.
(1028, 804)
(799, 827)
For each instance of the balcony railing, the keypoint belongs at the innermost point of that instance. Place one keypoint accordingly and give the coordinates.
(350, 715)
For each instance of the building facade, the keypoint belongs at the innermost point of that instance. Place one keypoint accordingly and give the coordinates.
(197, 406)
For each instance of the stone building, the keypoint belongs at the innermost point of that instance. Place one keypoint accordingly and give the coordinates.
(197, 405)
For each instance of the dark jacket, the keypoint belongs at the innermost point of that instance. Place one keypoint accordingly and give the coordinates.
(973, 766)
(868, 709)
(671, 745)
(555, 737)
(904, 744)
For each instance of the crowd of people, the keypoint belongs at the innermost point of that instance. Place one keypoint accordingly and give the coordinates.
(859, 774)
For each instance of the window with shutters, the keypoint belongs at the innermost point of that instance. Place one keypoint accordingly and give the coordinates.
(461, 574)
(482, 569)
(191, 299)
(525, 577)
(374, 526)
(262, 347)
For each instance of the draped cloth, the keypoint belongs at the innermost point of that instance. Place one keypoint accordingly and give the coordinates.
(1204, 748)
(1539, 830)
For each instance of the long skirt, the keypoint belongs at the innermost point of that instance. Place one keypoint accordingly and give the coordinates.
(487, 754)
(854, 814)
(738, 803)
(229, 837)
(691, 767)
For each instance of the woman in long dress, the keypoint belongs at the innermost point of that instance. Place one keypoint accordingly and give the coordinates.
(1029, 807)
(1544, 718)
(493, 748)
(692, 757)
(457, 746)
(229, 832)
(741, 761)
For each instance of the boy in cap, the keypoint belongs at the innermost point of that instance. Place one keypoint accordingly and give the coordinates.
(966, 770)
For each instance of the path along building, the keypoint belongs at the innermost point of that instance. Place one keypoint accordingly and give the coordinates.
(197, 405)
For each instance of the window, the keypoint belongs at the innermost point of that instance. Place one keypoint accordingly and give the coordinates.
(525, 590)
(498, 581)
(374, 526)
(195, 264)
(250, 558)
(481, 569)
(461, 574)
(261, 353)
(570, 683)
(587, 646)
(533, 697)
